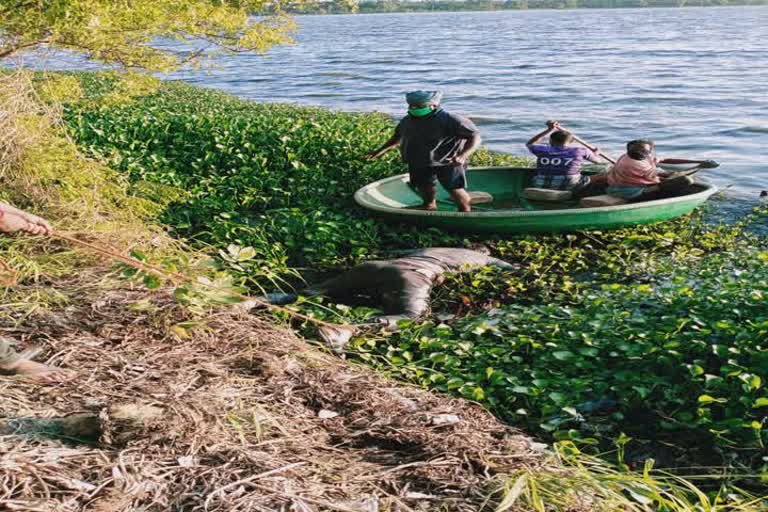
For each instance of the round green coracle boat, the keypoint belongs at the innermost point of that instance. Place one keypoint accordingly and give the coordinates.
(510, 212)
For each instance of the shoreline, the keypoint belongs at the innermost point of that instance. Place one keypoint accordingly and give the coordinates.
(409, 10)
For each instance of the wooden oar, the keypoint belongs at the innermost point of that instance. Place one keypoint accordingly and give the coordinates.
(587, 145)
(707, 164)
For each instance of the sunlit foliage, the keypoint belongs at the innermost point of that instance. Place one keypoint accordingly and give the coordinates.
(128, 33)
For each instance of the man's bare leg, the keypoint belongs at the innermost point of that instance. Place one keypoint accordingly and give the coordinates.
(461, 198)
(428, 195)
(37, 372)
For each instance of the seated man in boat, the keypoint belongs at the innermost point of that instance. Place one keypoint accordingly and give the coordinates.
(635, 176)
(558, 165)
(401, 286)
(435, 145)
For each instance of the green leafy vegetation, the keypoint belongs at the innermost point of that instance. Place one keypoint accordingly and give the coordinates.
(42, 170)
(582, 482)
(676, 355)
(276, 178)
(126, 33)
(656, 334)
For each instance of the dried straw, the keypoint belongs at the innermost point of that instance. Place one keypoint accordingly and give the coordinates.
(179, 278)
(228, 419)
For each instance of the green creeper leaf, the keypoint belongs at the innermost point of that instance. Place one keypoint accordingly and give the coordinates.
(572, 411)
(707, 399)
(138, 255)
(557, 397)
(752, 381)
(454, 383)
(152, 282)
(642, 391)
(563, 355)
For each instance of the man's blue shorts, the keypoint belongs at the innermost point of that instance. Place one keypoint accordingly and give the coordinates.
(451, 177)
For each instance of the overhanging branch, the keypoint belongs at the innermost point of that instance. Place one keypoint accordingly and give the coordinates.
(10, 50)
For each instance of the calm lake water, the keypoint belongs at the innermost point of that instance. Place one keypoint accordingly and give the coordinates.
(694, 79)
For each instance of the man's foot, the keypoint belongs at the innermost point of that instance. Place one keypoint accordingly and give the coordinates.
(38, 372)
(336, 336)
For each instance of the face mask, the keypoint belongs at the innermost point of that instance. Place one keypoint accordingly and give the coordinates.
(420, 112)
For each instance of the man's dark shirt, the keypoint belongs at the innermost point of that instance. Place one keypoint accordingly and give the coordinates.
(433, 140)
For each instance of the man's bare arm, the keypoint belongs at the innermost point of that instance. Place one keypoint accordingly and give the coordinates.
(12, 219)
(392, 143)
(471, 147)
(703, 164)
(551, 127)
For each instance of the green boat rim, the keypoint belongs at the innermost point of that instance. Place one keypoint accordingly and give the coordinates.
(360, 198)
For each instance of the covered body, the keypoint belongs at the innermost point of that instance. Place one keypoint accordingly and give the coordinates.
(400, 286)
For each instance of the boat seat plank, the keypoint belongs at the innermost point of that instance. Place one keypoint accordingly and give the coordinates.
(545, 194)
(479, 197)
(603, 200)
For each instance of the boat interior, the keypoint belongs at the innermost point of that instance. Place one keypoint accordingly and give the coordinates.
(499, 188)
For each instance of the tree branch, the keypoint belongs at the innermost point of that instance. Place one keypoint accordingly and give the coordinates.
(18, 5)
(8, 51)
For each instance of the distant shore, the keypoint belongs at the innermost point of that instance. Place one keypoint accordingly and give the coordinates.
(405, 6)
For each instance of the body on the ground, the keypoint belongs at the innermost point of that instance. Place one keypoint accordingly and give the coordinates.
(400, 286)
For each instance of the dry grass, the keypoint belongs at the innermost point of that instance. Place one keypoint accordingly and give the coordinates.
(42, 170)
(15, 104)
(228, 419)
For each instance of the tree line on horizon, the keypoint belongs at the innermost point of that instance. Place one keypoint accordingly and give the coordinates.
(383, 6)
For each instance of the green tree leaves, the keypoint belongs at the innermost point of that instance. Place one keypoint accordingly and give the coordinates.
(126, 33)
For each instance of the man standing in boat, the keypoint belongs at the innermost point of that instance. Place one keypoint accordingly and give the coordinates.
(436, 145)
(558, 165)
